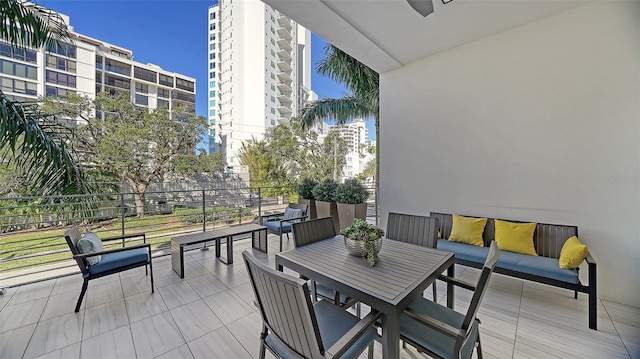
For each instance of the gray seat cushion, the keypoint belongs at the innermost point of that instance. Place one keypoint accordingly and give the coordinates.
(333, 323)
(275, 226)
(435, 341)
(536, 265)
(120, 259)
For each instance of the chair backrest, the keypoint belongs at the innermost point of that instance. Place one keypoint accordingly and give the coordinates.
(286, 309)
(72, 236)
(312, 231)
(481, 287)
(420, 230)
(304, 207)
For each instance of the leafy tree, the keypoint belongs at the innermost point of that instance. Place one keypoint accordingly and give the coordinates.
(134, 143)
(34, 141)
(363, 102)
(264, 169)
(191, 164)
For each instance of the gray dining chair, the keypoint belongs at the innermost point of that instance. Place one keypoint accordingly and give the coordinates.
(293, 327)
(441, 332)
(414, 229)
(313, 231)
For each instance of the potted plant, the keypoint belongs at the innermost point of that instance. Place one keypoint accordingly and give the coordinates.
(324, 193)
(305, 195)
(363, 239)
(350, 197)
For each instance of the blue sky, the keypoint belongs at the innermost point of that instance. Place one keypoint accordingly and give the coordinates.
(171, 34)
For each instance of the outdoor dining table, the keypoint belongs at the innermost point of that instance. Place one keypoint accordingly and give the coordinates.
(401, 273)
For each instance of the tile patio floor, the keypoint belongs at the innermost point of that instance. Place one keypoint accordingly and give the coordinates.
(209, 315)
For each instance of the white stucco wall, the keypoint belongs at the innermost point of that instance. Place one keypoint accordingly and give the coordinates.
(538, 123)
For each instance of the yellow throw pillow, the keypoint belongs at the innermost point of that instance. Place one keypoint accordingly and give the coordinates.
(515, 237)
(572, 253)
(467, 230)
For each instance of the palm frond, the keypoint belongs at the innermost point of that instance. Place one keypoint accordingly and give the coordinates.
(360, 79)
(343, 110)
(28, 24)
(40, 145)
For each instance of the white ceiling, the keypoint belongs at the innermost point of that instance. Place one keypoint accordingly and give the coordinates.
(387, 34)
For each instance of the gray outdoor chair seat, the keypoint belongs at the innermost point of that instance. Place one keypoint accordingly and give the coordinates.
(333, 323)
(439, 343)
(120, 259)
(325, 292)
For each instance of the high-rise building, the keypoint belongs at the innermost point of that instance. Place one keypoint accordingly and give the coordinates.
(88, 66)
(259, 74)
(356, 135)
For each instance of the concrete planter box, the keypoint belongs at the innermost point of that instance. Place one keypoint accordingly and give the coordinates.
(328, 209)
(348, 212)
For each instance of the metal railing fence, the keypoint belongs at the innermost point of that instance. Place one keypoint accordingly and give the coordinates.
(32, 228)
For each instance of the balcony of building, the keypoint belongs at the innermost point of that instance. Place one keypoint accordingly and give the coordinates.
(284, 54)
(284, 76)
(285, 33)
(285, 66)
(284, 22)
(284, 96)
(284, 86)
(284, 108)
(284, 43)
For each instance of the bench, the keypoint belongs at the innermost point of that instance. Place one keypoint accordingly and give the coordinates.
(548, 241)
(178, 243)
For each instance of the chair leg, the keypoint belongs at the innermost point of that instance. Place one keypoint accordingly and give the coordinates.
(151, 270)
(575, 294)
(358, 309)
(85, 284)
(280, 241)
(370, 351)
(435, 292)
(262, 349)
(479, 348)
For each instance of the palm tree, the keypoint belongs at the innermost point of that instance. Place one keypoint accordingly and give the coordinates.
(363, 102)
(33, 140)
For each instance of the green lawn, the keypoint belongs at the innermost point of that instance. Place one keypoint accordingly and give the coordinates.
(158, 228)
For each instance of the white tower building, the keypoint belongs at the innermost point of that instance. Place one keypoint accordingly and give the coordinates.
(259, 73)
(88, 66)
(356, 135)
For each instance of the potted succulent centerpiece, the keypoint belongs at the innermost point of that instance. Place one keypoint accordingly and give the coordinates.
(305, 195)
(325, 193)
(363, 239)
(350, 198)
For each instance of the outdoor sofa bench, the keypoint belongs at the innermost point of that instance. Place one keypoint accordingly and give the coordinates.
(548, 241)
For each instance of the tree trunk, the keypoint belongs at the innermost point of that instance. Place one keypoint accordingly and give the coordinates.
(139, 190)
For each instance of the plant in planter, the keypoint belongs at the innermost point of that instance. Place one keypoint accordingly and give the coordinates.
(351, 197)
(305, 195)
(363, 239)
(324, 193)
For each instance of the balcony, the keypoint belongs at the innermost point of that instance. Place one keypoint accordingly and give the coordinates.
(284, 32)
(284, 97)
(284, 108)
(284, 76)
(214, 304)
(284, 44)
(284, 54)
(284, 86)
(284, 22)
(284, 66)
